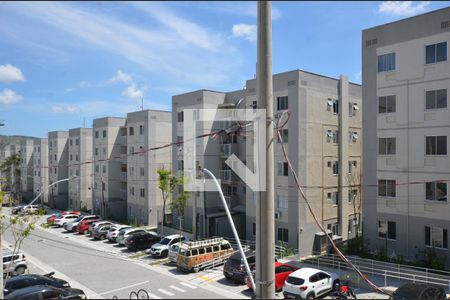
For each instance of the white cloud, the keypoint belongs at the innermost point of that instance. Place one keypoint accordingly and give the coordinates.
(121, 77)
(245, 31)
(133, 92)
(403, 8)
(9, 73)
(246, 9)
(65, 108)
(8, 96)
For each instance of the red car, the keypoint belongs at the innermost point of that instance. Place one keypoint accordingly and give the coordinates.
(282, 271)
(51, 219)
(83, 227)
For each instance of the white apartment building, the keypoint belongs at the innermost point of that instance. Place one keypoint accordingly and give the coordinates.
(110, 183)
(58, 168)
(40, 169)
(323, 140)
(146, 129)
(80, 152)
(26, 174)
(406, 81)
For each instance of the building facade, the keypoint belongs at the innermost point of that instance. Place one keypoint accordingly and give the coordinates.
(146, 129)
(406, 79)
(26, 172)
(58, 168)
(80, 152)
(40, 169)
(110, 163)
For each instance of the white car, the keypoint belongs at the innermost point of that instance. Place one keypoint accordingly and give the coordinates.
(114, 232)
(123, 234)
(28, 209)
(309, 283)
(72, 226)
(173, 252)
(64, 219)
(162, 248)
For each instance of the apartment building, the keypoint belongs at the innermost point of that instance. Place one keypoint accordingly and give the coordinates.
(26, 174)
(323, 140)
(109, 152)
(58, 168)
(6, 174)
(40, 169)
(146, 129)
(406, 82)
(80, 152)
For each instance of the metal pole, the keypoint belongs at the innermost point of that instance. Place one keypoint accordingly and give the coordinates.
(103, 198)
(233, 228)
(265, 218)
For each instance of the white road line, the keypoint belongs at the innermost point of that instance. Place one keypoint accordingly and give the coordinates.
(124, 288)
(177, 288)
(166, 292)
(188, 285)
(153, 296)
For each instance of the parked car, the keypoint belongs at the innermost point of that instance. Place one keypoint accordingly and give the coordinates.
(61, 221)
(234, 268)
(141, 240)
(72, 226)
(418, 291)
(46, 292)
(26, 280)
(14, 265)
(94, 225)
(114, 232)
(17, 209)
(309, 283)
(282, 271)
(83, 227)
(162, 248)
(123, 234)
(101, 231)
(29, 209)
(173, 252)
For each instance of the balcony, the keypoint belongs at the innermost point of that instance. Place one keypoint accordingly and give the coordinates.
(225, 150)
(123, 176)
(123, 140)
(225, 175)
(123, 194)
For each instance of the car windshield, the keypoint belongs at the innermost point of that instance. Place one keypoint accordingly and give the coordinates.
(295, 281)
(174, 248)
(235, 261)
(165, 241)
(79, 218)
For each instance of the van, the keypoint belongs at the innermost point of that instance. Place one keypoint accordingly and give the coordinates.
(194, 256)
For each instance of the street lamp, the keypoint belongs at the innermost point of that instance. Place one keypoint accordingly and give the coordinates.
(51, 185)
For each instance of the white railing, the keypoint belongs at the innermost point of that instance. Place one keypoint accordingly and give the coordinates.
(225, 175)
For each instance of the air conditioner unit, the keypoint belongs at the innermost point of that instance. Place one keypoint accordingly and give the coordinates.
(277, 215)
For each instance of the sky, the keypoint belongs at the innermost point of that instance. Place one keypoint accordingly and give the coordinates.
(63, 64)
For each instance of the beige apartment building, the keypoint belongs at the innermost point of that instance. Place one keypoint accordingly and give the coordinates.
(323, 140)
(26, 174)
(40, 169)
(58, 168)
(80, 152)
(146, 129)
(406, 79)
(110, 167)
(6, 175)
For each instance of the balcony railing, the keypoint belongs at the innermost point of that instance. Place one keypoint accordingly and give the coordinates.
(123, 176)
(225, 149)
(225, 175)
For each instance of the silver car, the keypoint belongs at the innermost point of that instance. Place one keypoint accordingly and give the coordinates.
(114, 232)
(14, 265)
(162, 248)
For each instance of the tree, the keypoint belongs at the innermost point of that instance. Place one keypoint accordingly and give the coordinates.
(12, 163)
(167, 183)
(179, 204)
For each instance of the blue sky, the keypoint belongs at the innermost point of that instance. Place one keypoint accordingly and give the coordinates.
(63, 63)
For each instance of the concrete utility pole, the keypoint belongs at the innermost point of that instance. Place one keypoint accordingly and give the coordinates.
(265, 217)
(103, 210)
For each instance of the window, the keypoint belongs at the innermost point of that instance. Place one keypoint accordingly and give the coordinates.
(71, 157)
(97, 168)
(387, 229)
(335, 198)
(142, 172)
(104, 133)
(336, 137)
(254, 229)
(132, 190)
(104, 169)
(131, 171)
(77, 172)
(96, 134)
(436, 237)
(335, 106)
(282, 103)
(283, 235)
(436, 99)
(352, 108)
(131, 130)
(436, 53)
(329, 134)
(142, 193)
(181, 165)
(386, 188)
(76, 142)
(436, 191)
(180, 116)
(131, 149)
(282, 202)
(436, 145)
(352, 137)
(141, 129)
(76, 157)
(386, 62)
(335, 168)
(352, 195)
(96, 151)
(283, 169)
(284, 136)
(386, 146)
(71, 142)
(50, 144)
(386, 104)
(351, 164)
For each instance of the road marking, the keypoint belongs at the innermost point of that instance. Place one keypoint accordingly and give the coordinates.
(206, 278)
(177, 288)
(166, 292)
(188, 285)
(124, 288)
(153, 296)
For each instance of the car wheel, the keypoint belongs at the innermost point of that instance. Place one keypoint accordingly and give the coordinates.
(310, 296)
(195, 269)
(102, 237)
(86, 232)
(336, 283)
(164, 253)
(19, 270)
